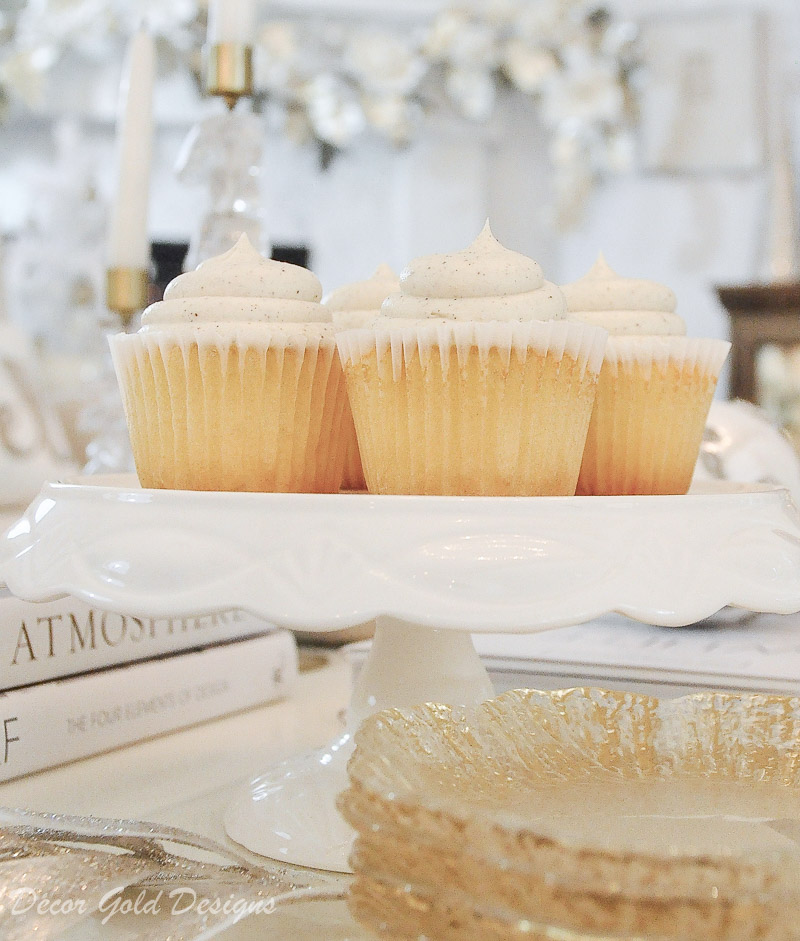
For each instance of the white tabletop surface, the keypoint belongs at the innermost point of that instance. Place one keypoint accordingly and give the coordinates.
(186, 779)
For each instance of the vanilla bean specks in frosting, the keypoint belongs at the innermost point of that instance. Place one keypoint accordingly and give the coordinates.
(484, 282)
(624, 306)
(242, 287)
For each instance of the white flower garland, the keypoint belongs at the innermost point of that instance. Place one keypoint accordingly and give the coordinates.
(331, 80)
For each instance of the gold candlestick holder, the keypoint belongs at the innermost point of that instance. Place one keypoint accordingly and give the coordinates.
(126, 291)
(229, 71)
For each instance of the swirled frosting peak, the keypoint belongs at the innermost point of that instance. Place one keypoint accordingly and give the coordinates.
(240, 286)
(622, 305)
(364, 295)
(485, 281)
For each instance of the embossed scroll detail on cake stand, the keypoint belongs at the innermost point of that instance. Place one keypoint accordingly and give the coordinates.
(430, 569)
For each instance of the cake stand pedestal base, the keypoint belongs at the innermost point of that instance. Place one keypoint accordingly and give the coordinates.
(290, 812)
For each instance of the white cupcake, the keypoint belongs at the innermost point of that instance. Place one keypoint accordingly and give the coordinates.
(655, 386)
(471, 381)
(233, 382)
(355, 305)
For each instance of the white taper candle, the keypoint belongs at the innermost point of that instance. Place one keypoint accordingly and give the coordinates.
(231, 21)
(128, 244)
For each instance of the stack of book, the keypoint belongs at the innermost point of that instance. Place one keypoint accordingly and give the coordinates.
(734, 651)
(75, 681)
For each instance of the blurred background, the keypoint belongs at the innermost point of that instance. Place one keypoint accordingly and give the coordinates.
(665, 133)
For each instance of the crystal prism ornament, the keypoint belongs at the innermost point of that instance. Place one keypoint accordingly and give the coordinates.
(223, 153)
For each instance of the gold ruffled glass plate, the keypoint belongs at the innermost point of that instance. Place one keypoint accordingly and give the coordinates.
(584, 812)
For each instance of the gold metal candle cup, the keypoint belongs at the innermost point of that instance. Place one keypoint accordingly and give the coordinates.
(229, 71)
(126, 291)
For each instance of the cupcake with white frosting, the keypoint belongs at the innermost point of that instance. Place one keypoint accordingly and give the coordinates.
(472, 381)
(233, 382)
(359, 303)
(655, 386)
(355, 305)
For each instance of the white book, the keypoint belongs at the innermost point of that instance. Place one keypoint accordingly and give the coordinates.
(51, 723)
(759, 652)
(42, 641)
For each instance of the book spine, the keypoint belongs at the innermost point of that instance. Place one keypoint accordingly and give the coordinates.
(42, 641)
(52, 723)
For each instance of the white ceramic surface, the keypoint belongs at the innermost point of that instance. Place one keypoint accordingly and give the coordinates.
(741, 443)
(323, 562)
(289, 812)
(426, 567)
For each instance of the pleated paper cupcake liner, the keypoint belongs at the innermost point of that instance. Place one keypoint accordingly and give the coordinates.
(353, 473)
(582, 343)
(472, 408)
(231, 414)
(657, 352)
(652, 401)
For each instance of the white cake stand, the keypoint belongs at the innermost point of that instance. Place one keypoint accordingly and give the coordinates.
(430, 569)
